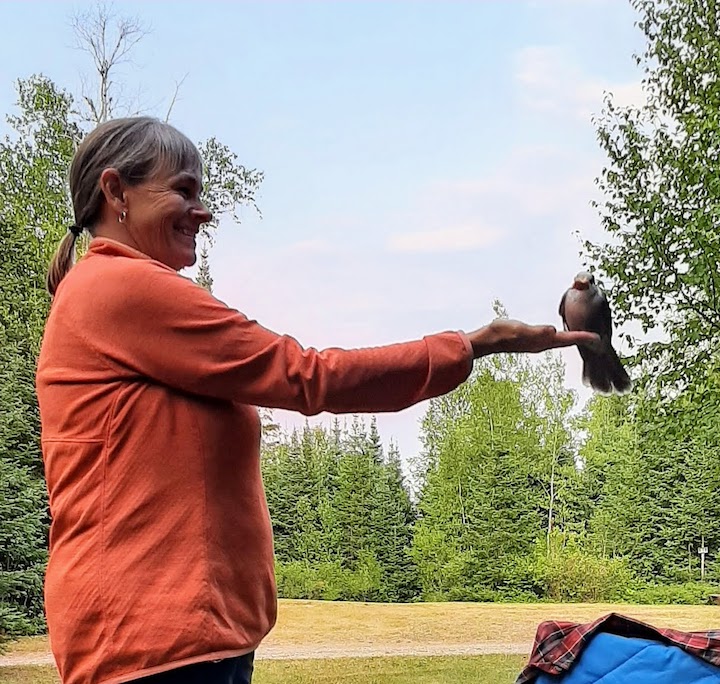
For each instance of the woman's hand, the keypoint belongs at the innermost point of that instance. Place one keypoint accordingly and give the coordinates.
(503, 335)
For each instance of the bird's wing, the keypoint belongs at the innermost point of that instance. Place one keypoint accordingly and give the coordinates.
(604, 316)
(561, 311)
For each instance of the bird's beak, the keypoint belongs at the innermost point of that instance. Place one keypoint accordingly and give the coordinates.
(581, 284)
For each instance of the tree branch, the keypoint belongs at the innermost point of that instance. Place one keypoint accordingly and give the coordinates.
(108, 46)
(178, 85)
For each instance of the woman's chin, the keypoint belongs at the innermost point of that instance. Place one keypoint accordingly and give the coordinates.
(180, 259)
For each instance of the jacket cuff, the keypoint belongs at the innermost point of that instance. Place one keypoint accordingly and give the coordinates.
(450, 355)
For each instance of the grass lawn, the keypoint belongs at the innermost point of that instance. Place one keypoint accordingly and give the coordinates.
(309, 629)
(36, 644)
(314, 624)
(362, 624)
(29, 675)
(461, 670)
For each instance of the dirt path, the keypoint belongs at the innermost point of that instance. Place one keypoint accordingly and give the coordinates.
(273, 652)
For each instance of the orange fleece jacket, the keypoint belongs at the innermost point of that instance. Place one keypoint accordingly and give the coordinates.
(161, 543)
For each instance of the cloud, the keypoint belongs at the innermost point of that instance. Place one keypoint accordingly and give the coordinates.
(452, 239)
(533, 185)
(531, 182)
(550, 81)
(317, 246)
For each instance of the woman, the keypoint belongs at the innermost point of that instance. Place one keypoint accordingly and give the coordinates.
(161, 559)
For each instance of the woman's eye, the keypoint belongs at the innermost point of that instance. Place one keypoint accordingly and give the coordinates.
(185, 192)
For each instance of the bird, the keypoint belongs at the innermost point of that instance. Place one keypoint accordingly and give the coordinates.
(584, 306)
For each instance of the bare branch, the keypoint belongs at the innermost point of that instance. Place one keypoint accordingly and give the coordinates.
(178, 85)
(108, 40)
(94, 114)
(131, 33)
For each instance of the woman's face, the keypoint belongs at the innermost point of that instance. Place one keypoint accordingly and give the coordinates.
(164, 216)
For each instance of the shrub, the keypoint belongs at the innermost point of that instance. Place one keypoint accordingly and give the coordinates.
(689, 593)
(329, 581)
(569, 573)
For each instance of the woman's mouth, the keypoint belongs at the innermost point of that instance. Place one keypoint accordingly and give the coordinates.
(187, 231)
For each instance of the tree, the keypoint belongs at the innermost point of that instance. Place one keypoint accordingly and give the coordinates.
(204, 279)
(342, 517)
(23, 518)
(228, 185)
(33, 204)
(499, 479)
(609, 458)
(462, 546)
(658, 495)
(482, 504)
(656, 463)
(108, 40)
(357, 494)
(34, 164)
(394, 518)
(662, 193)
(23, 530)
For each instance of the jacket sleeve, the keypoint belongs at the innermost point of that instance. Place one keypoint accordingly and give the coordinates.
(159, 325)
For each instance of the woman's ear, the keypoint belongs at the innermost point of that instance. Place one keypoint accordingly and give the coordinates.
(114, 190)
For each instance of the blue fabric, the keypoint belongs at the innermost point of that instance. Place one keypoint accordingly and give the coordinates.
(612, 659)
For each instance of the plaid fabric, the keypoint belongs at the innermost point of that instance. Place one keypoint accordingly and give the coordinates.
(558, 644)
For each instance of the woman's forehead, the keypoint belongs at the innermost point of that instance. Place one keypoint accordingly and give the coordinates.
(174, 161)
(191, 174)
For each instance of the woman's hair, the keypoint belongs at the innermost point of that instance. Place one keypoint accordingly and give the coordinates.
(138, 148)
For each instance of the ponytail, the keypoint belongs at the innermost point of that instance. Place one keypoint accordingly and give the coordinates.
(63, 259)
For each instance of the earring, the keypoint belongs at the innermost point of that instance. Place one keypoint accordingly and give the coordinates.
(122, 217)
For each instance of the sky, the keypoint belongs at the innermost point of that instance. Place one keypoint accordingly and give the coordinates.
(421, 159)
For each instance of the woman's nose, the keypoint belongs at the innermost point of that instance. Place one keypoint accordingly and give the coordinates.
(202, 214)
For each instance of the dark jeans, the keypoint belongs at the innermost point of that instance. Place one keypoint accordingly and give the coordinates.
(229, 671)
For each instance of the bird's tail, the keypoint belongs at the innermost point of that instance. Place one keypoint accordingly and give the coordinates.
(604, 372)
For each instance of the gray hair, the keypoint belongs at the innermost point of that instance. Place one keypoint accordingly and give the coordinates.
(138, 148)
